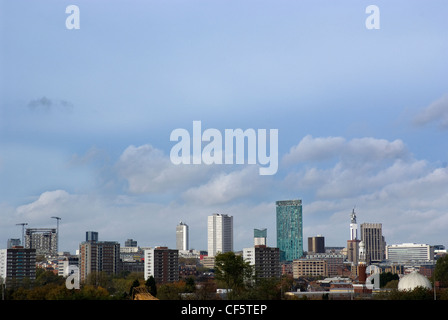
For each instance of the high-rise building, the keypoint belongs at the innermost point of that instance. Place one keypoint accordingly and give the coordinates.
(96, 256)
(220, 234)
(266, 261)
(182, 236)
(91, 236)
(161, 263)
(316, 244)
(289, 229)
(372, 236)
(260, 236)
(17, 264)
(44, 240)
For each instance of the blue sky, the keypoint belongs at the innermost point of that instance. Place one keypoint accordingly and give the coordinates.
(86, 116)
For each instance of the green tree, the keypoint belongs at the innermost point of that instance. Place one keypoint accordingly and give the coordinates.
(151, 285)
(233, 272)
(134, 284)
(441, 271)
(387, 277)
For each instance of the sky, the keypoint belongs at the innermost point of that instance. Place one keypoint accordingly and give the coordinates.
(86, 116)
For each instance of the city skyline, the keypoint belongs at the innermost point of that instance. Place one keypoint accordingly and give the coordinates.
(86, 116)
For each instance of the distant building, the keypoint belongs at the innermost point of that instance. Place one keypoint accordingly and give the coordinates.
(44, 240)
(409, 252)
(182, 236)
(17, 264)
(98, 256)
(309, 267)
(66, 264)
(13, 243)
(316, 244)
(289, 229)
(219, 233)
(353, 251)
(260, 236)
(372, 236)
(335, 262)
(266, 261)
(91, 236)
(161, 263)
(130, 243)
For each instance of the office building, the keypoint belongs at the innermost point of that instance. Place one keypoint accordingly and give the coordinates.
(266, 261)
(309, 267)
(260, 236)
(316, 244)
(220, 234)
(44, 240)
(372, 236)
(289, 229)
(16, 265)
(91, 236)
(161, 263)
(182, 236)
(409, 252)
(130, 243)
(98, 256)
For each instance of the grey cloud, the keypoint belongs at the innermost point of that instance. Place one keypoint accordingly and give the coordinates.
(47, 105)
(435, 112)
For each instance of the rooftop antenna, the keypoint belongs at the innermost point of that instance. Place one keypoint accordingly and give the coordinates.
(23, 224)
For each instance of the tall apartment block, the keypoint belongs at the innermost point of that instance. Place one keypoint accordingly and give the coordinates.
(289, 229)
(162, 263)
(44, 240)
(17, 264)
(266, 261)
(219, 234)
(316, 244)
(98, 256)
(182, 236)
(372, 236)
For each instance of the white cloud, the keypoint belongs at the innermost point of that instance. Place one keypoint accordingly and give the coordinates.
(149, 170)
(312, 149)
(226, 187)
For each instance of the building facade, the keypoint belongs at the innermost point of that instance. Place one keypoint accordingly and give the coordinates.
(266, 261)
(409, 252)
(182, 236)
(98, 256)
(260, 236)
(309, 267)
(372, 236)
(219, 234)
(17, 264)
(162, 264)
(289, 229)
(44, 240)
(316, 244)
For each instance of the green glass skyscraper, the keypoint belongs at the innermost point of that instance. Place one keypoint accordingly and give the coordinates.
(289, 229)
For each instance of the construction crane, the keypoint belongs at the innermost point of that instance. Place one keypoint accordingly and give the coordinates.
(23, 224)
(57, 232)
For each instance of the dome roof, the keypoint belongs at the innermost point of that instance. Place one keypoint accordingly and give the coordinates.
(412, 281)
